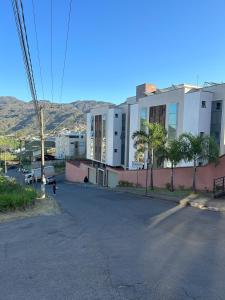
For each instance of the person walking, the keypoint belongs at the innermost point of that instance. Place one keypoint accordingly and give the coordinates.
(54, 187)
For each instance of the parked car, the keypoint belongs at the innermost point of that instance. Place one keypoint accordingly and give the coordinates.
(35, 174)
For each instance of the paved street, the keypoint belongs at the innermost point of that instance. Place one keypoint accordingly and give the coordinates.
(109, 245)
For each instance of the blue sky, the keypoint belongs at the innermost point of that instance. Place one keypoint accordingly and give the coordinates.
(115, 45)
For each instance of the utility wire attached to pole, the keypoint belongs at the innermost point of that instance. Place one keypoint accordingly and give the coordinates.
(22, 34)
(38, 51)
(66, 46)
(51, 20)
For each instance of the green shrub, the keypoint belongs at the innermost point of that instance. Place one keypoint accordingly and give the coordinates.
(181, 187)
(14, 195)
(168, 186)
(124, 183)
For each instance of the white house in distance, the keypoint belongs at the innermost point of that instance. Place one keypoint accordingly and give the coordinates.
(70, 145)
(179, 108)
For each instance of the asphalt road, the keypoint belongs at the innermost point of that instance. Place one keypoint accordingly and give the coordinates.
(109, 245)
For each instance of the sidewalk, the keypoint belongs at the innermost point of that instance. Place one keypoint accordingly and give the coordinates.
(162, 194)
(206, 202)
(203, 201)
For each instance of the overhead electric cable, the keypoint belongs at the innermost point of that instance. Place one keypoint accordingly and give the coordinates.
(22, 34)
(38, 51)
(66, 46)
(51, 20)
(24, 47)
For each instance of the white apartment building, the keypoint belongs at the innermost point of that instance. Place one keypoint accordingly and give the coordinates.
(179, 108)
(70, 145)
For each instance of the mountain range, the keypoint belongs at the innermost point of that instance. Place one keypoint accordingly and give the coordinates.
(17, 116)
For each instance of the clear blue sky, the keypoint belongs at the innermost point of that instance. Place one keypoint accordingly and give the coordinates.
(115, 45)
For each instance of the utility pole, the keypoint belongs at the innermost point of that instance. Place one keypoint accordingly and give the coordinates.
(43, 181)
(20, 157)
(18, 11)
(5, 162)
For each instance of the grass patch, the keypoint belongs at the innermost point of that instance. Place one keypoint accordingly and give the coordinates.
(15, 196)
(179, 193)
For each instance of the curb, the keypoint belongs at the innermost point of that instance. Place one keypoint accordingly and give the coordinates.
(201, 206)
(150, 196)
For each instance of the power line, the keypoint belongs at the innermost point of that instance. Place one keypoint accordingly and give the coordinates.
(22, 34)
(51, 19)
(21, 29)
(38, 51)
(65, 56)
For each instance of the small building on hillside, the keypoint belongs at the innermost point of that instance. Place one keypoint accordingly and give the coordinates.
(70, 145)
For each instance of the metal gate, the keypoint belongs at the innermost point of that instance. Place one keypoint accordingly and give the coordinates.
(219, 187)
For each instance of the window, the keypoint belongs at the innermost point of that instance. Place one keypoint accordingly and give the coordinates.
(92, 123)
(116, 132)
(201, 133)
(218, 105)
(116, 115)
(216, 117)
(115, 150)
(172, 120)
(203, 104)
(143, 118)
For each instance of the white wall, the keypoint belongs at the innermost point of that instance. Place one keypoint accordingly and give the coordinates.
(88, 135)
(196, 118)
(191, 113)
(65, 146)
(134, 126)
(117, 126)
(219, 94)
(109, 137)
(205, 113)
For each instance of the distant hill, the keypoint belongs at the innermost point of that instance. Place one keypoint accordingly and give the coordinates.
(17, 116)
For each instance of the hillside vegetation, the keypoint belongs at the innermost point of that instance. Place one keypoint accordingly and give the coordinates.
(18, 116)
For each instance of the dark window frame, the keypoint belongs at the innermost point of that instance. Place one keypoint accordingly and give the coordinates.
(203, 104)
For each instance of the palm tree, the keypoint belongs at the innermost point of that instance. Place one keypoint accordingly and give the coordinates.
(149, 140)
(172, 152)
(197, 148)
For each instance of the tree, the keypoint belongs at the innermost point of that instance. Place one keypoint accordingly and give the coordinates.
(196, 148)
(149, 140)
(172, 152)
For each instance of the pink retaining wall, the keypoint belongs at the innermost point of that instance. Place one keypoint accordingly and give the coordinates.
(182, 176)
(76, 172)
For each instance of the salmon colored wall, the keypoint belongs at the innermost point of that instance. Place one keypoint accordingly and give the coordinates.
(76, 173)
(182, 176)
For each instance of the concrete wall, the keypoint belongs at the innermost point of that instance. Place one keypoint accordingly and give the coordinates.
(134, 126)
(205, 113)
(109, 137)
(88, 136)
(76, 172)
(172, 96)
(218, 91)
(191, 113)
(197, 119)
(182, 175)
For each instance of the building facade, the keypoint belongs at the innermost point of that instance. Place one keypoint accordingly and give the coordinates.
(179, 108)
(70, 145)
